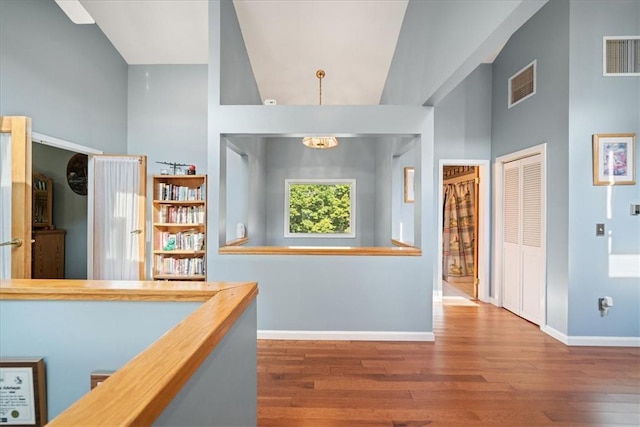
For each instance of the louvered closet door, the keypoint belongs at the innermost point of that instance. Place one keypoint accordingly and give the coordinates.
(531, 248)
(511, 237)
(522, 238)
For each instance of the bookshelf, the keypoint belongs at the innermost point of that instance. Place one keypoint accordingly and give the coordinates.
(179, 227)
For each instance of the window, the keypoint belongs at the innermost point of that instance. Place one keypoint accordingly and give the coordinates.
(320, 208)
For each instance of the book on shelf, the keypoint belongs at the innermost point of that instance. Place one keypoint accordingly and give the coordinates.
(179, 266)
(183, 240)
(173, 192)
(181, 214)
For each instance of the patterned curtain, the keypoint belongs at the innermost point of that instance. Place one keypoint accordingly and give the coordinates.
(459, 229)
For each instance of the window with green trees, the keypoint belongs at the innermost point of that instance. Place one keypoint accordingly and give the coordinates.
(320, 208)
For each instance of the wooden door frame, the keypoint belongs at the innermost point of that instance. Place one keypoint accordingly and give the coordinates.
(484, 222)
(21, 204)
(497, 255)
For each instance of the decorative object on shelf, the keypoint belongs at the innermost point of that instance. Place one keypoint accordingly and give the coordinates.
(77, 173)
(191, 170)
(179, 226)
(614, 159)
(320, 141)
(176, 169)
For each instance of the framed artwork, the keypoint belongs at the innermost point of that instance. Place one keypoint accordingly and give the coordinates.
(614, 159)
(409, 185)
(23, 396)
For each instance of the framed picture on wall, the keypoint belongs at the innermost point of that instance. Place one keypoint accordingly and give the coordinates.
(23, 394)
(409, 185)
(614, 159)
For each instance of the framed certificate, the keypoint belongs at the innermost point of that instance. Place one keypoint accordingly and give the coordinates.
(23, 398)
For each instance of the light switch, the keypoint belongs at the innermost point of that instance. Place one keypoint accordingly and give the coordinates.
(599, 229)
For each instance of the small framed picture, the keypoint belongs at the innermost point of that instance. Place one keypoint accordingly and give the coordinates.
(23, 395)
(614, 159)
(409, 185)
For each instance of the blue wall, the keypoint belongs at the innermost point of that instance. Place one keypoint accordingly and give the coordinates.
(68, 78)
(222, 392)
(237, 192)
(543, 118)
(601, 105)
(167, 115)
(77, 337)
(353, 158)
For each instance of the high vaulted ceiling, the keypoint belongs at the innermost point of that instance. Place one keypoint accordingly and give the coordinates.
(353, 41)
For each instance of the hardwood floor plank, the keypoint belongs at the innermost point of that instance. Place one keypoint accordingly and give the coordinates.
(487, 367)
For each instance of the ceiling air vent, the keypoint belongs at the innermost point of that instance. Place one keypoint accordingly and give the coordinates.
(522, 84)
(621, 56)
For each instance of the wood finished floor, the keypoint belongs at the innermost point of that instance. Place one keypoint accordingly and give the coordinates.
(487, 367)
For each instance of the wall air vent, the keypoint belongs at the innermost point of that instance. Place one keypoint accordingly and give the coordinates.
(621, 56)
(522, 84)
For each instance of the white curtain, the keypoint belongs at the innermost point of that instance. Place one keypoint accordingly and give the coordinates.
(5, 204)
(116, 254)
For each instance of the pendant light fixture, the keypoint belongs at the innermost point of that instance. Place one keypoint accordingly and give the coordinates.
(320, 141)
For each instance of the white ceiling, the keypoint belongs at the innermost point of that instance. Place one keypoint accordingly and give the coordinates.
(287, 41)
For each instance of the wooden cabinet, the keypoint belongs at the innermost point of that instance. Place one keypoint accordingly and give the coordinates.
(42, 202)
(179, 227)
(47, 254)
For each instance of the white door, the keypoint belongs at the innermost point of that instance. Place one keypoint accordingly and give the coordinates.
(117, 188)
(523, 262)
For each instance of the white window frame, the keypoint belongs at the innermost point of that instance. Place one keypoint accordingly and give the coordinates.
(352, 185)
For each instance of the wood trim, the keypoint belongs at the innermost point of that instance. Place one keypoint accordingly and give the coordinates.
(238, 242)
(158, 374)
(142, 209)
(106, 290)
(21, 196)
(401, 244)
(320, 250)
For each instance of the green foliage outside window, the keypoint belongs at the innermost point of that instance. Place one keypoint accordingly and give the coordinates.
(320, 208)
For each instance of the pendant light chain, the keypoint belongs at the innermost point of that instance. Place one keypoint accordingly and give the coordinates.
(320, 74)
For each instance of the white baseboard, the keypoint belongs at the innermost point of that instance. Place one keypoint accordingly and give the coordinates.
(554, 333)
(591, 341)
(346, 335)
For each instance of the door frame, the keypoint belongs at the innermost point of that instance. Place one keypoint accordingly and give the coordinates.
(484, 223)
(21, 194)
(497, 255)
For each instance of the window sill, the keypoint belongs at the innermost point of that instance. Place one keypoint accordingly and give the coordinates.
(320, 250)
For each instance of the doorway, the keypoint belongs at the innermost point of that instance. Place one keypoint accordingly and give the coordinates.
(457, 281)
(50, 156)
(460, 230)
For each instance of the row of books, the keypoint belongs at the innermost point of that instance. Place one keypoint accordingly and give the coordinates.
(185, 241)
(167, 191)
(180, 266)
(182, 214)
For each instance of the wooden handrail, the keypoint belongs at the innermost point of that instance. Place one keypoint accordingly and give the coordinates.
(157, 374)
(138, 392)
(107, 290)
(320, 250)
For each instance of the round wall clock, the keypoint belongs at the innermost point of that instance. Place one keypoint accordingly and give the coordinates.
(77, 174)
